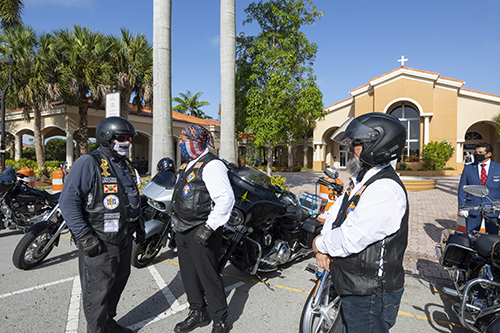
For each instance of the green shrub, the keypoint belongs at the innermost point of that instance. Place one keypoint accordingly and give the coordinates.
(296, 168)
(435, 154)
(402, 166)
(279, 181)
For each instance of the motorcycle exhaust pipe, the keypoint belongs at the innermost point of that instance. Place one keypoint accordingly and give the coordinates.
(451, 292)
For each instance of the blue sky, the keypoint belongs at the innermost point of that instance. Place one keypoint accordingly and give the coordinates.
(357, 40)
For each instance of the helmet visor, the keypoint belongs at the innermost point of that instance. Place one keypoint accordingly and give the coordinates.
(352, 132)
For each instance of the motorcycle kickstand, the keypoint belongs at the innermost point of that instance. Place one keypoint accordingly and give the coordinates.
(268, 285)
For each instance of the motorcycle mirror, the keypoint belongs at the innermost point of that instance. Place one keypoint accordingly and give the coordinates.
(332, 173)
(476, 190)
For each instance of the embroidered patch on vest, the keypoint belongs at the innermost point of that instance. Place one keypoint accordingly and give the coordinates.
(111, 225)
(360, 191)
(186, 191)
(350, 208)
(90, 199)
(191, 176)
(104, 167)
(111, 188)
(198, 165)
(182, 167)
(109, 180)
(111, 201)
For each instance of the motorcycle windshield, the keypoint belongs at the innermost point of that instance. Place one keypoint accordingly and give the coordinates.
(9, 176)
(165, 179)
(254, 176)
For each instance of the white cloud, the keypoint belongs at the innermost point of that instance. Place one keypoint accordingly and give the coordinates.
(215, 41)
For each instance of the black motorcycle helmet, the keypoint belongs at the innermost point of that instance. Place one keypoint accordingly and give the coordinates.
(382, 136)
(112, 127)
(165, 163)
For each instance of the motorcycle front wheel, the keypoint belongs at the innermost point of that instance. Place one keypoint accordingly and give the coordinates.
(143, 254)
(28, 252)
(326, 318)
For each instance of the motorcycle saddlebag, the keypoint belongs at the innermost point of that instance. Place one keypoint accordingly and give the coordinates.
(456, 248)
(310, 229)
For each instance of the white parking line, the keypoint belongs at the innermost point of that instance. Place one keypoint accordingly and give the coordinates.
(36, 287)
(74, 307)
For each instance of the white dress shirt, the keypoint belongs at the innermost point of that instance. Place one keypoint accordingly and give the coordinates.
(215, 177)
(378, 214)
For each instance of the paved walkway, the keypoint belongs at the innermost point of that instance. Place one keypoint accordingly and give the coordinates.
(430, 212)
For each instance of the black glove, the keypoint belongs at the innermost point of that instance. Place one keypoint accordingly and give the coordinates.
(90, 243)
(202, 234)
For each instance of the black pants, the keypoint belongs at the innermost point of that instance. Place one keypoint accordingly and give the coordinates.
(200, 273)
(103, 279)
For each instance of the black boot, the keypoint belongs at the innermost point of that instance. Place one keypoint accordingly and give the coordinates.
(196, 318)
(220, 327)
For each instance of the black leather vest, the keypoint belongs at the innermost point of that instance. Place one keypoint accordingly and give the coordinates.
(191, 202)
(107, 208)
(358, 273)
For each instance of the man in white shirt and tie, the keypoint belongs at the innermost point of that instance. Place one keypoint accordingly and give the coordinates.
(482, 172)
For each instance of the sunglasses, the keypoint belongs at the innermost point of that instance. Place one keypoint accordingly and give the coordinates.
(123, 138)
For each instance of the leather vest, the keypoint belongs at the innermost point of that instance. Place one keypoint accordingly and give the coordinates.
(358, 273)
(107, 208)
(191, 202)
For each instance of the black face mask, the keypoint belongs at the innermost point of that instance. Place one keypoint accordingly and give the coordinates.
(479, 157)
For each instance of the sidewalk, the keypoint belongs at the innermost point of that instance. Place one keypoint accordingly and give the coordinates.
(430, 213)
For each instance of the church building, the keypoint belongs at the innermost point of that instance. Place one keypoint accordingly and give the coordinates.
(431, 106)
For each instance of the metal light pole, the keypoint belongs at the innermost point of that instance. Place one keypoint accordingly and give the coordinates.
(10, 62)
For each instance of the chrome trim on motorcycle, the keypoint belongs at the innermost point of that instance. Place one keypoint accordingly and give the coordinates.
(464, 306)
(54, 237)
(319, 291)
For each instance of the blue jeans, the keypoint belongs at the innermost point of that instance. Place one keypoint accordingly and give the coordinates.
(370, 314)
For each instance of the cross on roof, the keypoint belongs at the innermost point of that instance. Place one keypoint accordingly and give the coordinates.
(402, 61)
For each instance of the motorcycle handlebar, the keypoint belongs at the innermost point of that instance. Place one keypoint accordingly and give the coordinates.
(493, 208)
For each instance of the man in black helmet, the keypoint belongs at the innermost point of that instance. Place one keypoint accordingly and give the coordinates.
(101, 204)
(365, 235)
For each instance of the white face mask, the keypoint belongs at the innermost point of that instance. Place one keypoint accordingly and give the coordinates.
(122, 148)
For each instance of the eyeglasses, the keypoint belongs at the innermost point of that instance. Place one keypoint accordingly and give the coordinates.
(123, 138)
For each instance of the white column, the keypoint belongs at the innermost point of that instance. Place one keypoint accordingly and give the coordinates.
(69, 146)
(426, 116)
(460, 151)
(18, 146)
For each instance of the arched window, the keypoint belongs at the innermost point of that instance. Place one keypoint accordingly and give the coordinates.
(473, 135)
(410, 117)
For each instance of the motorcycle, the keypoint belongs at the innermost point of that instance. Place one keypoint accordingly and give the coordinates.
(468, 260)
(158, 227)
(268, 226)
(22, 205)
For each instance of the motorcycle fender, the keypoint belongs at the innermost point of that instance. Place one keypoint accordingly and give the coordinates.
(37, 227)
(153, 227)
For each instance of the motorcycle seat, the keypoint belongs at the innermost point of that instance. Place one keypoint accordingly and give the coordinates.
(484, 244)
(54, 198)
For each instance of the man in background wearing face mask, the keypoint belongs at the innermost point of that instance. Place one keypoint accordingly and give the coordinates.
(482, 172)
(364, 237)
(201, 203)
(101, 205)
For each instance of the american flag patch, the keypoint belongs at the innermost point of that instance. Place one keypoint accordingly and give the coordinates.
(198, 165)
(111, 188)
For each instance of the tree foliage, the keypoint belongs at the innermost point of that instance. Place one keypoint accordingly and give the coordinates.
(277, 95)
(10, 13)
(435, 154)
(189, 104)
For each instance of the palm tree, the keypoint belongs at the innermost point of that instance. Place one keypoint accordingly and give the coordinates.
(10, 13)
(227, 65)
(85, 55)
(189, 104)
(38, 79)
(133, 58)
(163, 137)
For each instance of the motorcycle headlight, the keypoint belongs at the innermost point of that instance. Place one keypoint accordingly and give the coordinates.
(236, 218)
(156, 204)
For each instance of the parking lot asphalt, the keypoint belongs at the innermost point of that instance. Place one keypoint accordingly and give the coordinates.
(431, 212)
